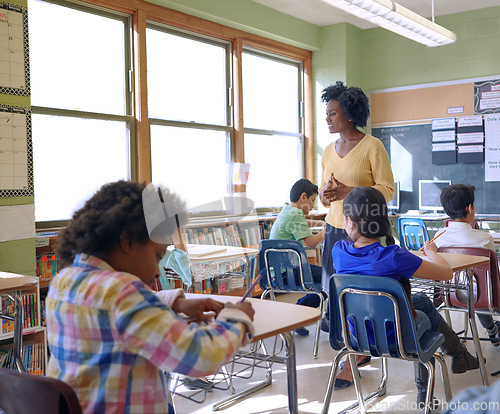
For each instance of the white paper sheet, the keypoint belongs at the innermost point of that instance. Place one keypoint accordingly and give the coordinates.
(17, 222)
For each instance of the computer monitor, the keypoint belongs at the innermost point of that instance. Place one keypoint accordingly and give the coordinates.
(393, 205)
(429, 192)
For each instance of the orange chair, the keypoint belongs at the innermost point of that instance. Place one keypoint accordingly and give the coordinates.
(22, 393)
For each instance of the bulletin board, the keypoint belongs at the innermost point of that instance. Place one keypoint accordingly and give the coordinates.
(14, 50)
(16, 152)
(16, 149)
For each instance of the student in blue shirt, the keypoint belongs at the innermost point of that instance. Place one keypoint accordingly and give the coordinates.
(366, 221)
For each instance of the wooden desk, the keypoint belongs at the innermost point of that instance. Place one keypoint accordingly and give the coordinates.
(462, 262)
(9, 284)
(285, 317)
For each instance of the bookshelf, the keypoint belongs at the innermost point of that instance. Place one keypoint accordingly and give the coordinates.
(34, 339)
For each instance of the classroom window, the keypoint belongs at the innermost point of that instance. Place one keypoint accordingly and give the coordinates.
(189, 113)
(272, 101)
(80, 63)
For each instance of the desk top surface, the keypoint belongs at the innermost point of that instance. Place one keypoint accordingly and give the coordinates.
(459, 261)
(272, 318)
(229, 252)
(13, 281)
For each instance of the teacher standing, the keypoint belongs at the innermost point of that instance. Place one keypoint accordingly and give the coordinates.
(354, 159)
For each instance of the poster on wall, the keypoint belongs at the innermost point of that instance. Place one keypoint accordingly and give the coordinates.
(487, 97)
(16, 152)
(14, 56)
(492, 147)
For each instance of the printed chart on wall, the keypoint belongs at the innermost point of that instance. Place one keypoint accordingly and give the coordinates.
(487, 97)
(16, 152)
(492, 147)
(14, 57)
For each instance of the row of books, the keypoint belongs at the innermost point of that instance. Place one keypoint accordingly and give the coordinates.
(232, 235)
(33, 356)
(46, 266)
(30, 320)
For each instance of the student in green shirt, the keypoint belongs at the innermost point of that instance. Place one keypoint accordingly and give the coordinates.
(292, 224)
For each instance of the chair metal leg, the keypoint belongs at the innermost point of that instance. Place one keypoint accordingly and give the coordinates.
(444, 376)
(331, 379)
(430, 387)
(18, 332)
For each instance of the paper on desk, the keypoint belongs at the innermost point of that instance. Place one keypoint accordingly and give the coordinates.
(17, 222)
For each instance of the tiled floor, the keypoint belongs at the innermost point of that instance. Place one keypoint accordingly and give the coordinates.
(312, 377)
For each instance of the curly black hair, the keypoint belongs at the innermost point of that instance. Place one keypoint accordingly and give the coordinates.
(114, 212)
(352, 100)
(367, 209)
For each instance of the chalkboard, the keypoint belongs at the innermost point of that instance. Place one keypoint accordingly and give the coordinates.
(409, 148)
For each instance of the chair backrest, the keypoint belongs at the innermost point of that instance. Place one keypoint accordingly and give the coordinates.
(412, 233)
(372, 314)
(487, 279)
(22, 393)
(284, 260)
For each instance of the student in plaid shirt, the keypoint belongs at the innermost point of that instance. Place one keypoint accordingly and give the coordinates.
(110, 335)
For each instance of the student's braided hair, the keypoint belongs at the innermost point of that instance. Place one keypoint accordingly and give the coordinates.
(352, 100)
(114, 212)
(367, 209)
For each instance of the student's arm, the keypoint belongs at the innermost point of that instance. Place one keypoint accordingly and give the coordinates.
(315, 239)
(316, 223)
(436, 267)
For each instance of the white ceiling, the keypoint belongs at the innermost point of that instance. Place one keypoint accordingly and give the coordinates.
(320, 13)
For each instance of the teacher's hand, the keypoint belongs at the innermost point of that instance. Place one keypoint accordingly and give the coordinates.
(340, 191)
(326, 193)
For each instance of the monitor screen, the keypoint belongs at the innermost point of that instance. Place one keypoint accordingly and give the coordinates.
(394, 203)
(429, 192)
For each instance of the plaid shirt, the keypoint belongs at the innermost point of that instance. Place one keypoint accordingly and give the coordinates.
(111, 337)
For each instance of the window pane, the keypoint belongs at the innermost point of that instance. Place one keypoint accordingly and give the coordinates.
(191, 162)
(271, 178)
(270, 94)
(77, 59)
(186, 79)
(73, 157)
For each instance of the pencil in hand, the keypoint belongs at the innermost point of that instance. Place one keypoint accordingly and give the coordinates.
(249, 290)
(430, 241)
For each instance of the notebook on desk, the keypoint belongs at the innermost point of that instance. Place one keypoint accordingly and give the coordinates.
(204, 250)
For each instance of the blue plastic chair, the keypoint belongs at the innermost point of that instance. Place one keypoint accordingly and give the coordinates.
(412, 233)
(371, 315)
(283, 259)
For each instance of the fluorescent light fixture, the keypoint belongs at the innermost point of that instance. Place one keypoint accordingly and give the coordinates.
(397, 19)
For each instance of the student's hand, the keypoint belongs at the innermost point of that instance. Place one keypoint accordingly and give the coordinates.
(197, 309)
(430, 247)
(243, 306)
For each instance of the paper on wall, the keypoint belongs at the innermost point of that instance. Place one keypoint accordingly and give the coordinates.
(17, 222)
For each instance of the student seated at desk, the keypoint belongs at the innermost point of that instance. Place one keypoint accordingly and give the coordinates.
(291, 224)
(366, 221)
(458, 202)
(111, 336)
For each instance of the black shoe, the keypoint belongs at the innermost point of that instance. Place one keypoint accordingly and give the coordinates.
(421, 402)
(196, 384)
(302, 331)
(495, 338)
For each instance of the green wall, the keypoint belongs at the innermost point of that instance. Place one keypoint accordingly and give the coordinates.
(390, 60)
(251, 17)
